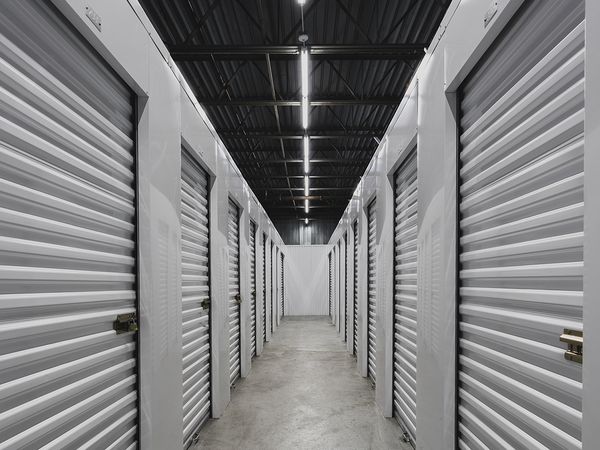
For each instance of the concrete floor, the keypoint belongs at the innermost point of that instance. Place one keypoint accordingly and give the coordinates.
(303, 392)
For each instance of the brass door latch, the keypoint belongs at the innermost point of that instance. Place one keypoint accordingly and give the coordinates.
(238, 298)
(574, 340)
(126, 323)
(205, 303)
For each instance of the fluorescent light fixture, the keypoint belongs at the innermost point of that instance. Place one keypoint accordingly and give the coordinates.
(306, 151)
(306, 185)
(305, 112)
(304, 71)
(301, 2)
(306, 221)
(306, 205)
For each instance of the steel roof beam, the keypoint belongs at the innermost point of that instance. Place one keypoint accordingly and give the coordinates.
(267, 103)
(291, 52)
(314, 134)
(271, 162)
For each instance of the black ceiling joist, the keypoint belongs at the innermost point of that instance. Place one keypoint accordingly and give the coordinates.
(299, 134)
(187, 52)
(384, 101)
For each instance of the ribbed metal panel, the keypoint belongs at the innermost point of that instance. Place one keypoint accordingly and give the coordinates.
(405, 295)
(355, 330)
(233, 243)
(330, 281)
(521, 233)
(67, 238)
(341, 287)
(282, 288)
(272, 284)
(347, 244)
(372, 300)
(264, 283)
(194, 297)
(252, 289)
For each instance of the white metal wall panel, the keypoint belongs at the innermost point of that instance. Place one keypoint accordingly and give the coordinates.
(372, 291)
(252, 289)
(355, 330)
(521, 233)
(233, 243)
(195, 302)
(405, 295)
(67, 238)
(264, 283)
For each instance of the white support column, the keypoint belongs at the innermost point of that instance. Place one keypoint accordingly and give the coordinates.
(591, 280)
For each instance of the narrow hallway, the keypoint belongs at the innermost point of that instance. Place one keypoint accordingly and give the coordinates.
(303, 392)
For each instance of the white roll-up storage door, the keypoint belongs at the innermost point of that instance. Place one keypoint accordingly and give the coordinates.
(355, 331)
(405, 295)
(372, 299)
(67, 239)
(233, 242)
(252, 289)
(282, 288)
(272, 280)
(264, 283)
(521, 233)
(195, 302)
(346, 243)
(330, 281)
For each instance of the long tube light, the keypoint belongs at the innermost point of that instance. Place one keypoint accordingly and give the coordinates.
(304, 82)
(306, 154)
(306, 185)
(306, 221)
(304, 71)
(306, 205)
(305, 112)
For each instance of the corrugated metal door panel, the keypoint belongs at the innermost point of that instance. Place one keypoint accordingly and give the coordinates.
(252, 288)
(405, 295)
(195, 300)
(272, 283)
(340, 281)
(233, 241)
(67, 238)
(346, 287)
(355, 331)
(372, 299)
(330, 280)
(282, 288)
(264, 314)
(521, 233)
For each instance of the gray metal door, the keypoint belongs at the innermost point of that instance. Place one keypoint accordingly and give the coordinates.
(372, 299)
(252, 289)
(195, 302)
(521, 233)
(264, 314)
(405, 295)
(355, 331)
(233, 243)
(68, 291)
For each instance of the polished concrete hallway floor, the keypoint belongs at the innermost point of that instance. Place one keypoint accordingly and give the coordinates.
(303, 392)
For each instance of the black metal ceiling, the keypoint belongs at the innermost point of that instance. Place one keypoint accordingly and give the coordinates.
(241, 58)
